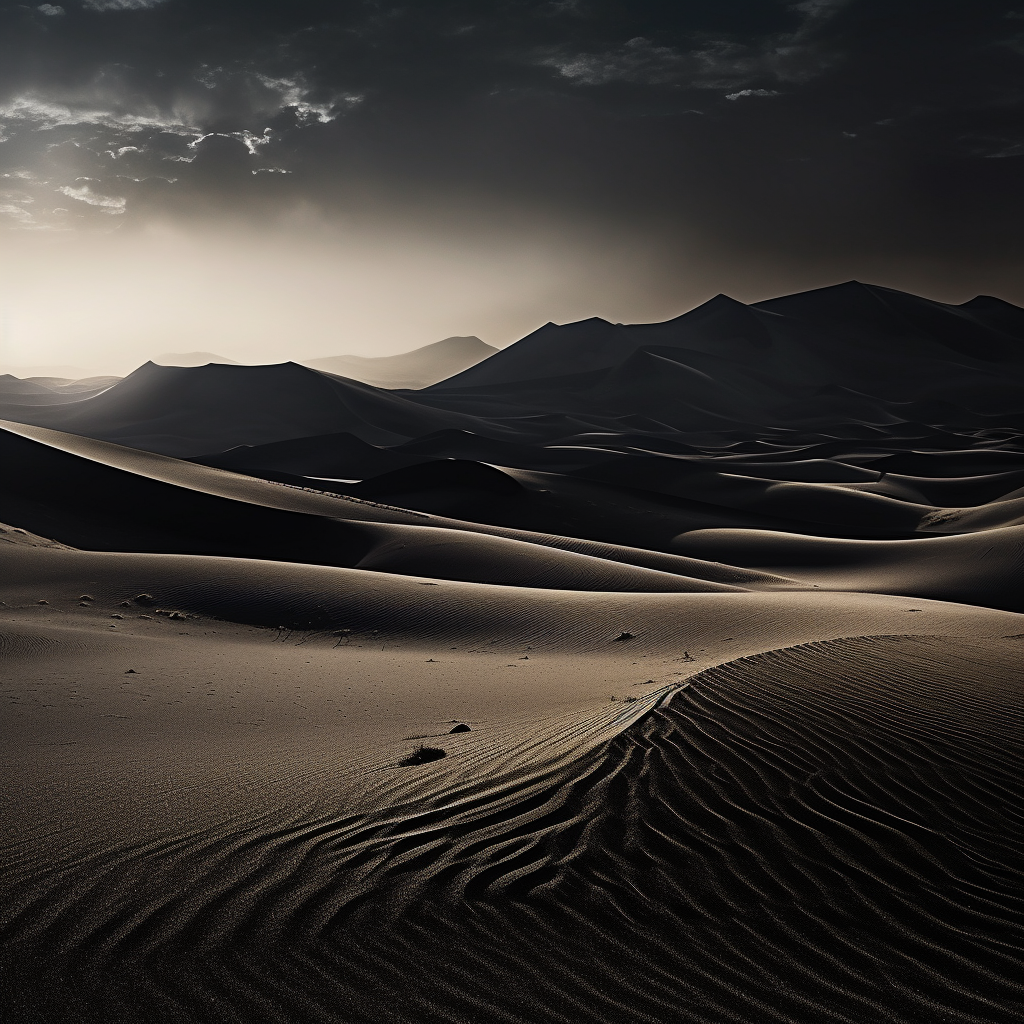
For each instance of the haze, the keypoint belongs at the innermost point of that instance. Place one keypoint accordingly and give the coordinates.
(307, 180)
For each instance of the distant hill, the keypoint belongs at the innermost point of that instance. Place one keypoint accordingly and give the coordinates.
(412, 370)
(193, 410)
(850, 357)
(841, 335)
(848, 361)
(193, 359)
(31, 391)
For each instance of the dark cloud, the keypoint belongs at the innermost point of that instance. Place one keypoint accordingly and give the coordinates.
(856, 134)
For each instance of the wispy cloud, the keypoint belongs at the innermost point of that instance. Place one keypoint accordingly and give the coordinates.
(638, 60)
(743, 93)
(709, 62)
(16, 213)
(40, 113)
(121, 5)
(84, 194)
(296, 94)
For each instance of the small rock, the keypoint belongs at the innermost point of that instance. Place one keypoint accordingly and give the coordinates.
(144, 599)
(116, 615)
(461, 727)
(423, 755)
(131, 672)
(42, 602)
(625, 636)
(86, 597)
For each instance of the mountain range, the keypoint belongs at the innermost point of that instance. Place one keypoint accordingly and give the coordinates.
(850, 361)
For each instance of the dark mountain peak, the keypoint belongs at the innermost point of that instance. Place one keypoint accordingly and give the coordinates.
(468, 343)
(219, 372)
(997, 313)
(827, 300)
(877, 318)
(551, 350)
(991, 302)
(572, 329)
(723, 319)
(590, 321)
(720, 301)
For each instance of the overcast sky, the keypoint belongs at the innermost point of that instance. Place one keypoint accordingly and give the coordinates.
(296, 178)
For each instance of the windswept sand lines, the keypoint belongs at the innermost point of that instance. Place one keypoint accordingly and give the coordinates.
(34, 642)
(23, 644)
(833, 831)
(137, 896)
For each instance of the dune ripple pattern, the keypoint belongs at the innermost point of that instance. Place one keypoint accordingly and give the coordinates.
(826, 832)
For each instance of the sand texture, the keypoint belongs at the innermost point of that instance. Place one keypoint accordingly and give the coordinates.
(657, 673)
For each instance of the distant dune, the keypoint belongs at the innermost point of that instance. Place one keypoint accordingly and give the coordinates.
(660, 672)
(30, 391)
(192, 359)
(417, 369)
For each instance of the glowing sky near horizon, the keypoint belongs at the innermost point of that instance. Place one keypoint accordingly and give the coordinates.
(272, 181)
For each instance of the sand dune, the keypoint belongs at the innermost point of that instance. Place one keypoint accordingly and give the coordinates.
(416, 369)
(179, 507)
(663, 672)
(984, 568)
(19, 392)
(155, 408)
(852, 361)
(192, 359)
(293, 842)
